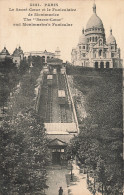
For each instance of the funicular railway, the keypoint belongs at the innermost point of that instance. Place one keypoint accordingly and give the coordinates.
(54, 104)
(55, 107)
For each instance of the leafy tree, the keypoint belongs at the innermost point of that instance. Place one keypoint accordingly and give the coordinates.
(24, 154)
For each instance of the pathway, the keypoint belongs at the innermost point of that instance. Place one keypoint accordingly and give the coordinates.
(56, 179)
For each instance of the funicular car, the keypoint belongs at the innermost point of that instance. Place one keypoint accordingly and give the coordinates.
(49, 80)
(61, 97)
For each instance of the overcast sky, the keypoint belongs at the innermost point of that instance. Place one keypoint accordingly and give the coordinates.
(33, 38)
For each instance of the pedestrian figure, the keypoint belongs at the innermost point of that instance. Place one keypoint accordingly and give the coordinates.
(60, 191)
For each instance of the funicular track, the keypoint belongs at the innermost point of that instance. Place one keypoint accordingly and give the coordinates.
(63, 114)
(49, 104)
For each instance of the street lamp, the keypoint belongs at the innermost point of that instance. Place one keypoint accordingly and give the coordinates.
(94, 191)
(71, 169)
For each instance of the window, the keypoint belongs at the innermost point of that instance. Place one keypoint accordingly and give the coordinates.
(84, 47)
(100, 52)
(96, 64)
(112, 55)
(101, 64)
(83, 54)
(90, 38)
(93, 39)
(79, 47)
(107, 64)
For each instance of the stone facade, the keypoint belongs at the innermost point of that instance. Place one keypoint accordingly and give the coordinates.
(16, 57)
(4, 53)
(44, 54)
(93, 50)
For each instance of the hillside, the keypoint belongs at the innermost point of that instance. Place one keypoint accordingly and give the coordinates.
(97, 94)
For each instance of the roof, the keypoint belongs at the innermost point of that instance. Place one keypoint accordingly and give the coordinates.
(82, 38)
(4, 51)
(17, 52)
(94, 20)
(57, 142)
(60, 128)
(54, 60)
(63, 138)
(111, 39)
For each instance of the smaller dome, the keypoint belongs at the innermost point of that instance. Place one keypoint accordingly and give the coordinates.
(111, 39)
(20, 50)
(16, 52)
(57, 49)
(5, 51)
(82, 38)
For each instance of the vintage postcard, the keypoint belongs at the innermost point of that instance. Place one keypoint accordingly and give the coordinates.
(61, 97)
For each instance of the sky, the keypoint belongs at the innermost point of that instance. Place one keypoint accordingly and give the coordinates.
(40, 38)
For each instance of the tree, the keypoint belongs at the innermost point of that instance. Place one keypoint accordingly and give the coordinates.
(24, 154)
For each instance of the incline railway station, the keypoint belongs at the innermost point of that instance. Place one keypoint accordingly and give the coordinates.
(56, 107)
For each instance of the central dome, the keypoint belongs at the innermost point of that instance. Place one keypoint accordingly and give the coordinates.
(94, 20)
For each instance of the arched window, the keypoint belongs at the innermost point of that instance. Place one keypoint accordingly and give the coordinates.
(101, 64)
(96, 64)
(95, 39)
(107, 64)
(43, 57)
(92, 39)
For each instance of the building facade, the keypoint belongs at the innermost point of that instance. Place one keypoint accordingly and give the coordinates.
(93, 50)
(4, 53)
(16, 57)
(44, 54)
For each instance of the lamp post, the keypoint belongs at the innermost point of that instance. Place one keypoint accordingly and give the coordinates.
(71, 169)
(102, 188)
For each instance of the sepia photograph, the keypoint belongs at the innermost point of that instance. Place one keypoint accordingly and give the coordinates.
(61, 97)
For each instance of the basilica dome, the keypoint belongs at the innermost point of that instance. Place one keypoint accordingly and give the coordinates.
(82, 38)
(94, 21)
(111, 39)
